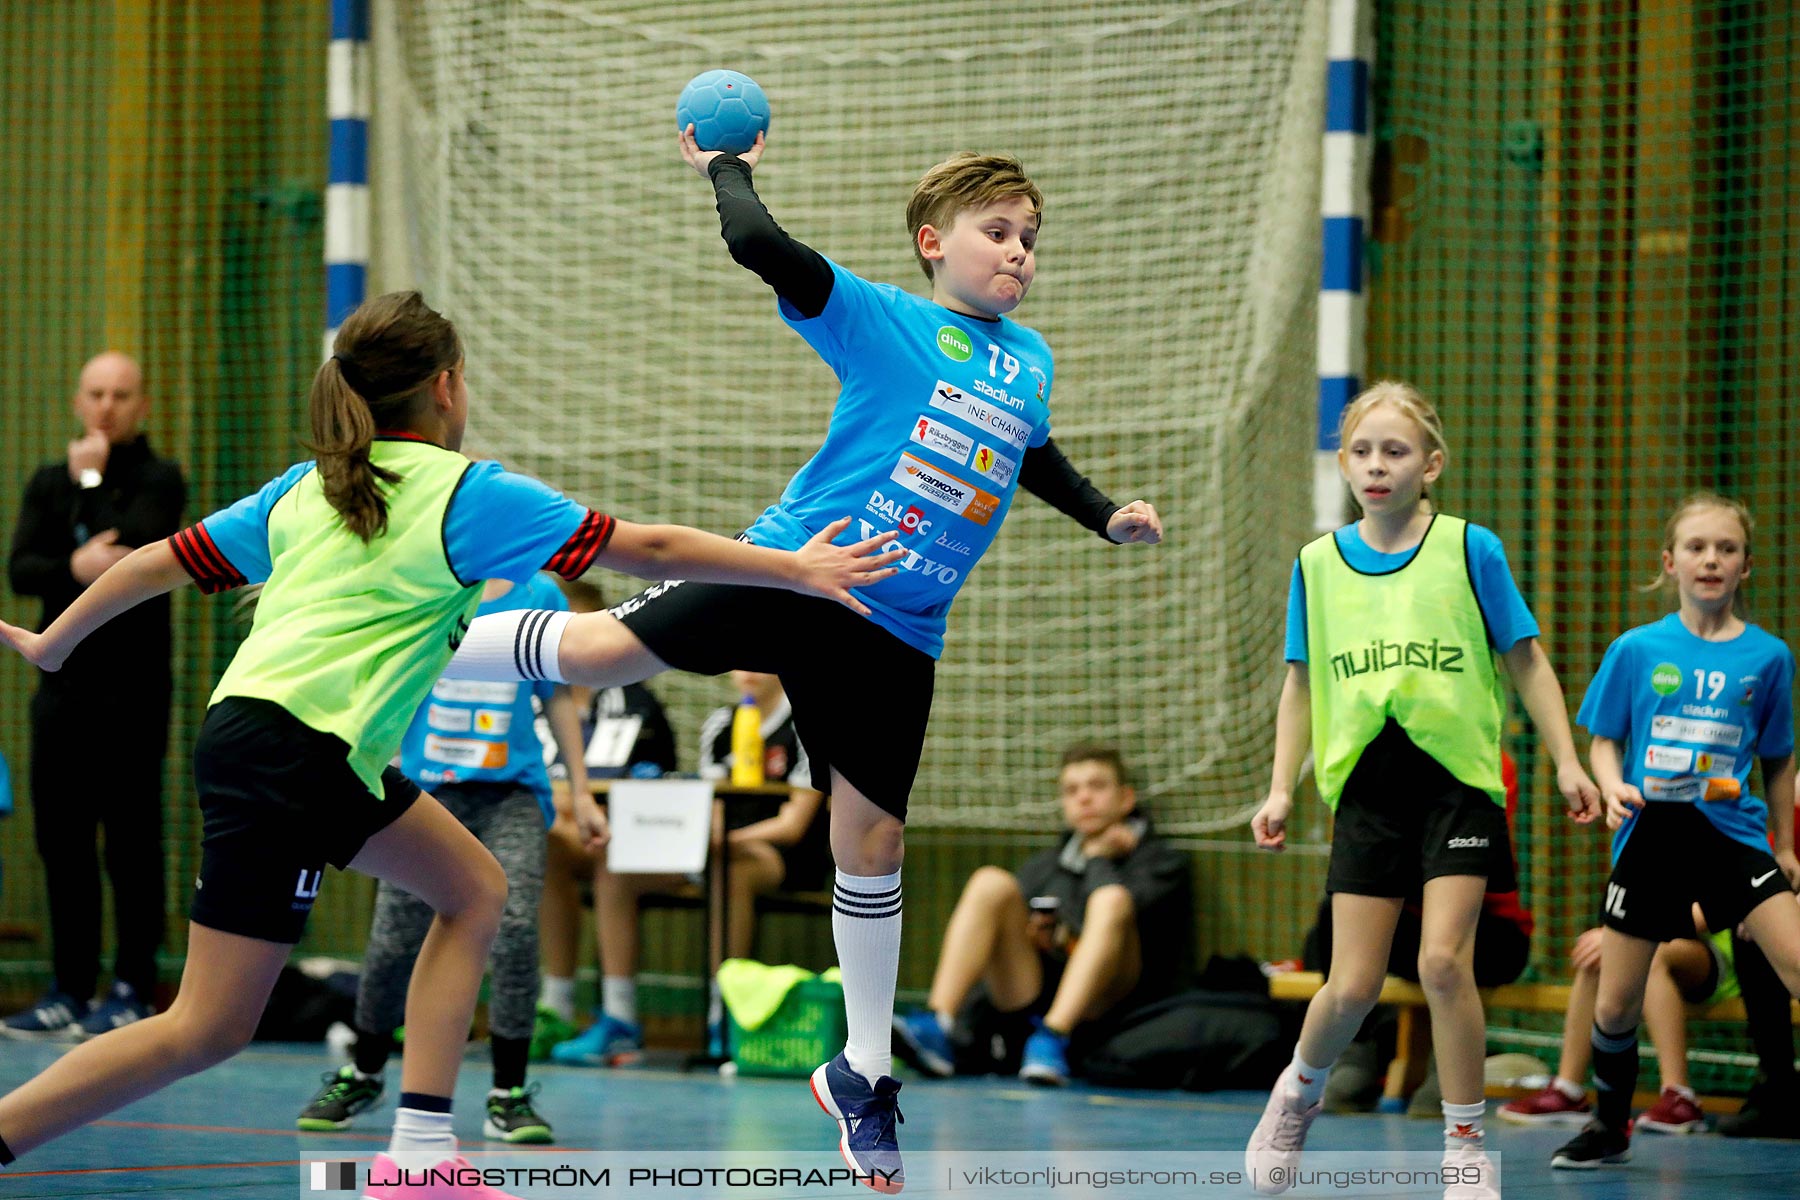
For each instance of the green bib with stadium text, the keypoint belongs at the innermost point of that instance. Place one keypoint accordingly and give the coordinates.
(1408, 644)
(349, 636)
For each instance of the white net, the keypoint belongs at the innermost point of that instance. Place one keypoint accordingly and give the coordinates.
(527, 179)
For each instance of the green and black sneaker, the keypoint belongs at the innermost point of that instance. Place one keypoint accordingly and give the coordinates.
(344, 1095)
(510, 1117)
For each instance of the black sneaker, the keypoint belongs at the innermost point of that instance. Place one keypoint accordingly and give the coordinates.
(343, 1096)
(1767, 1113)
(1595, 1144)
(510, 1117)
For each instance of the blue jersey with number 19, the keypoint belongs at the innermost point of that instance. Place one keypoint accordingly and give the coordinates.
(1691, 716)
(935, 412)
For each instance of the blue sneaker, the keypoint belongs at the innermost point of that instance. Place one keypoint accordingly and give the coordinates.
(921, 1042)
(867, 1116)
(51, 1017)
(121, 1006)
(1046, 1060)
(608, 1042)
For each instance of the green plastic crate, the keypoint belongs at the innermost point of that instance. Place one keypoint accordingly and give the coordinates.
(804, 1032)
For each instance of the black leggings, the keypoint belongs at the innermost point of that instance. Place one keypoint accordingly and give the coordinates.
(97, 762)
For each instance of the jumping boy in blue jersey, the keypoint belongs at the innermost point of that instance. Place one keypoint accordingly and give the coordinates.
(942, 415)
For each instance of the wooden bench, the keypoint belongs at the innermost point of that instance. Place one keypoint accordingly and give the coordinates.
(1412, 1044)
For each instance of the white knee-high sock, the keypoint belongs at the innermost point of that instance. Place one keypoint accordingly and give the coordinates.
(865, 923)
(522, 644)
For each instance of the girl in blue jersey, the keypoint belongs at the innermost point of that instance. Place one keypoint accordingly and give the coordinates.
(1396, 627)
(372, 557)
(1679, 711)
(942, 415)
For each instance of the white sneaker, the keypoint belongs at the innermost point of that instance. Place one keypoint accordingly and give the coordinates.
(1274, 1149)
(1477, 1176)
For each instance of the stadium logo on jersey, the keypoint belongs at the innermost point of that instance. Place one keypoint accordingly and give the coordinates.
(936, 435)
(952, 545)
(1387, 656)
(1670, 758)
(911, 519)
(1000, 395)
(994, 465)
(1665, 679)
(959, 403)
(1704, 733)
(1467, 843)
(944, 490)
(953, 344)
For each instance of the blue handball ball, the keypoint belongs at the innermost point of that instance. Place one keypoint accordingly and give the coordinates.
(726, 109)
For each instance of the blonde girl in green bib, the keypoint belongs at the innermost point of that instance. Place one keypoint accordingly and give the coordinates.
(1398, 627)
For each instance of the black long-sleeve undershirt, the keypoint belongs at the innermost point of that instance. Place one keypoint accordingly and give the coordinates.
(803, 279)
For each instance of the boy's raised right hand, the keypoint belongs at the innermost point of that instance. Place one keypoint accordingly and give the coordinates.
(701, 159)
(829, 570)
(1270, 822)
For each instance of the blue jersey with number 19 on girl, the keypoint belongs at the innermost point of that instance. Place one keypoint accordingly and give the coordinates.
(1692, 716)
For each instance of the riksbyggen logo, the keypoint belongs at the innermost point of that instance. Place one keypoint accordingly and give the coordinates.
(1389, 656)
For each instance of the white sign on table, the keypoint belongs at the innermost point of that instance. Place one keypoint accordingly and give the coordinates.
(659, 825)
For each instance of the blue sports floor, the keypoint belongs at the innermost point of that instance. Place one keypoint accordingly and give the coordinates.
(229, 1133)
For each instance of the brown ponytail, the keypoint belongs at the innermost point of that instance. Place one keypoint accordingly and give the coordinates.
(379, 376)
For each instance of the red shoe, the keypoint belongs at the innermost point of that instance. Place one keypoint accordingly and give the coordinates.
(1548, 1107)
(1673, 1113)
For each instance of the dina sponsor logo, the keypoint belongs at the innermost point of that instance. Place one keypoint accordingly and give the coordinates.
(954, 344)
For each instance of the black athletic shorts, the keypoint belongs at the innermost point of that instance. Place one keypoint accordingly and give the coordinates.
(861, 696)
(1403, 819)
(1674, 857)
(278, 801)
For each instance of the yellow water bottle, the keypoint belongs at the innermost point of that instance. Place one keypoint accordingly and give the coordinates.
(747, 745)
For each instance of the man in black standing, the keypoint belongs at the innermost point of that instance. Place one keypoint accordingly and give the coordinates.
(99, 726)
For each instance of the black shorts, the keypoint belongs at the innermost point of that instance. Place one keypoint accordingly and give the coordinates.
(861, 696)
(1403, 819)
(1674, 857)
(278, 801)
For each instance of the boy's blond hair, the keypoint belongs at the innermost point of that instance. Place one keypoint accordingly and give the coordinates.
(966, 180)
